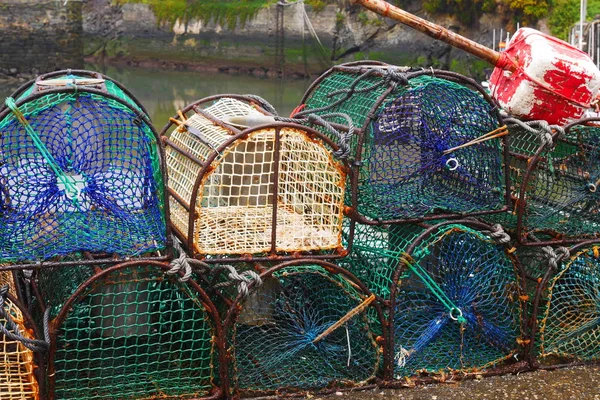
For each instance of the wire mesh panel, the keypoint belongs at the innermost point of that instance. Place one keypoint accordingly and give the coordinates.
(80, 169)
(426, 148)
(571, 324)
(17, 362)
(267, 189)
(132, 332)
(456, 306)
(304, 328)
(561, 198)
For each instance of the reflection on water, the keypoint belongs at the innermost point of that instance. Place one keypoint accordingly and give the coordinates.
(164, 92)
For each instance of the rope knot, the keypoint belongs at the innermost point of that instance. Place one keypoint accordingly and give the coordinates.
(10, 329)
(499, 234)
(555, 257)
(394, 77)
(243, 280)
(543, 132)
(178, 264)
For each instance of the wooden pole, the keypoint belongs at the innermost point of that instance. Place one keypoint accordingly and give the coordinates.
(435, 31)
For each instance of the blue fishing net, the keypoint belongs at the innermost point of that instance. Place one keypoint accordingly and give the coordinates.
(457, 305)
(410, 164)
(408, 173)
(98, 190)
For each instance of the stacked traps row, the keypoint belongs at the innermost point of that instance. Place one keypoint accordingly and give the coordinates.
(554, 191)
(80, 170)
(305, 325)
(131, 331)
(20, 375)
(82, 188)
(425, 144)
(453, 291)
(241, 183)
(555, 181)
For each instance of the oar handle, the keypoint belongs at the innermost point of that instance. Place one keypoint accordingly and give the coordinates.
(435, 31)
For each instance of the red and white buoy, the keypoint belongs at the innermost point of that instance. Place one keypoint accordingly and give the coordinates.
(545, 78)
(537, 77)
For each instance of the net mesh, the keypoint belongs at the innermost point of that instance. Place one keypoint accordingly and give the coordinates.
(97, 146)
(17, 364)
(6, 278)
(17, 380)
(405, 172)
(475, 281)
(522, 146)
(375, 254)
(134, 334)
(274, 339)
(571, 324)
(235, 205)
(562, 193)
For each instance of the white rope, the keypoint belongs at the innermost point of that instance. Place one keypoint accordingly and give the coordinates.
(402, 356)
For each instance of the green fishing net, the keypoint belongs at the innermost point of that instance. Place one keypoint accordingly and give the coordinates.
(276, 344)
(410, 161)
(130, 333)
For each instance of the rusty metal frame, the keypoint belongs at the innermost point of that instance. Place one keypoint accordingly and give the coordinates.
(92, 74)
(236, 307)
(364, 66)
(217, 392)
(471, 223)
(541, 286)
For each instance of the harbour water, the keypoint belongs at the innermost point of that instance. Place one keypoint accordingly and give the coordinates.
(164, 92)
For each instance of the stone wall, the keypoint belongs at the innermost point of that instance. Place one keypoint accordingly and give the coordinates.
(40, 36)
(131, 34)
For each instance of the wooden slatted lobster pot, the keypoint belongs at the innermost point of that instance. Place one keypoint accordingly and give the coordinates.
(19, 365)
(243, 184)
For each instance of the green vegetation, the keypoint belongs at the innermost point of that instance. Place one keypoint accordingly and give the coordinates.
(562, 14)
(565, 13)
(228, 13)
(466, 11)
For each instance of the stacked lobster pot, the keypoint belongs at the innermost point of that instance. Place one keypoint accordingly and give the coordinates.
(427, 156)
(258, 201)
(554, 219)
(85, 241)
